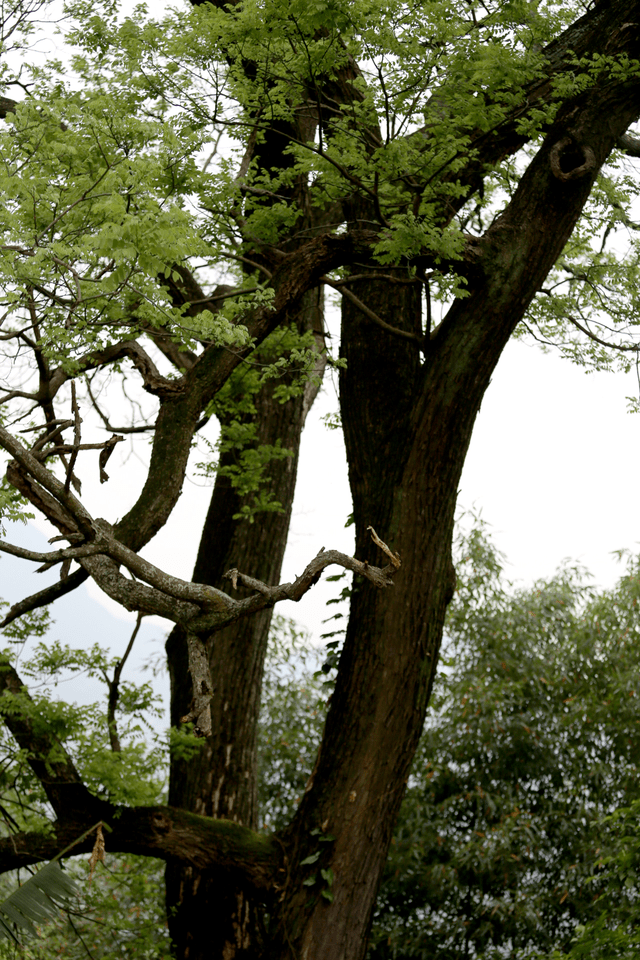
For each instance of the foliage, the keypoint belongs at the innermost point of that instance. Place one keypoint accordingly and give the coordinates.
(105, 187)
(119, 916)
(531, 740)
(614, 933)
(133, 775)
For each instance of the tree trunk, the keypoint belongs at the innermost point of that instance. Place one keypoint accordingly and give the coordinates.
(221, 780)
(407, 430)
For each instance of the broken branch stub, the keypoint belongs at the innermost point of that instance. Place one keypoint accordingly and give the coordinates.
(200, 713)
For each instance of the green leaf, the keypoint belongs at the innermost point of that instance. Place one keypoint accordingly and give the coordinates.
(309, 860)
(327, 875)
(37, 900)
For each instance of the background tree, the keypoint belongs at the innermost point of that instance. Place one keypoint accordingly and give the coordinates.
(531, 740)
(435, 164)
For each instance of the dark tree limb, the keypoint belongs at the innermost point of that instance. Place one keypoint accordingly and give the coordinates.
(48, 759)
(161, 831)
(114, 690)
(152, 380)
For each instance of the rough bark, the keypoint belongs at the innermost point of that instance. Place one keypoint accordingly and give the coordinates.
(221, 781)
(407, 434)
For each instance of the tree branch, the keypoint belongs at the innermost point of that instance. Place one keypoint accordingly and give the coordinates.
(153, 382)
(486, 148)
(630, 144)
(114, 690)
(161, 831)
(266, 596)
(180, 413)
(404, 334)
(620, 347)
(44, 597)
(47, 757)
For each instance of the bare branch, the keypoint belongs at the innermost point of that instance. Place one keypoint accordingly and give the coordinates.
(405, 334)
(105, 420)
(266, 596)
(153, 381)
(49, 434)
(77, 436)
(630, 144)
(47, 480)
(55, 556)
(114, 690)
(44, 597)
(620, 347)
(200, 713)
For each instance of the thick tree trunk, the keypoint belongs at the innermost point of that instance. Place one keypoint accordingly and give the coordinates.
(221, 780)
(407, 431)
(392, 641)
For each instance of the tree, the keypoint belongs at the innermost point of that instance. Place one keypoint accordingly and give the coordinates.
(530, 746)
(434, 163)
(500, 845)
(508, 840)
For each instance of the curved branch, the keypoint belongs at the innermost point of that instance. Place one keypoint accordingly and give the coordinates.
(53, 556)
(404, 334)
(152, 380)
(44, 597)
(46, 756)
(620, 347)
(266, 596)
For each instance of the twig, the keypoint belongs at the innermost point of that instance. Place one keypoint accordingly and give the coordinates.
(394, 557)
(106, 421)
(44, 597)
(76, 442)
(405, 334)
(623, 348)
(114, 690)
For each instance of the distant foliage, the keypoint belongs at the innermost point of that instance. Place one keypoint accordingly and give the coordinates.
(532, 738)
(120, 916)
